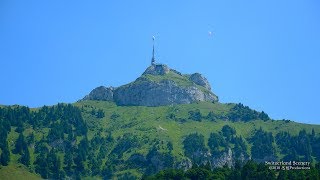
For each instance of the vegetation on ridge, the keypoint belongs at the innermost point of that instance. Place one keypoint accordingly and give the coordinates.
(179, 79)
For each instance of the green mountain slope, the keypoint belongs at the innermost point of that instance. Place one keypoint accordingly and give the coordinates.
(154, 123)
(16, 172)
(101, 139)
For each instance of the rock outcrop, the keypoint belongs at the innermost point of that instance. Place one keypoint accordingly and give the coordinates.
(157, 69)
(166, 92)
(200, 80)
(158, 86)
(226, 158)
(217, 160)
(100, 93)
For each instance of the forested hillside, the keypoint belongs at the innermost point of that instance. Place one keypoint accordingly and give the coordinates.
(103, 140)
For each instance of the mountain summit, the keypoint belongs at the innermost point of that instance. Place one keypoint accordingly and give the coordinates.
(157, 86)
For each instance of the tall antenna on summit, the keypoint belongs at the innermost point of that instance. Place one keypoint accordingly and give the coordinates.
(153, 60)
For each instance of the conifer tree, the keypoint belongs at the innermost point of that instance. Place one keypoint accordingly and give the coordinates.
(5, 155)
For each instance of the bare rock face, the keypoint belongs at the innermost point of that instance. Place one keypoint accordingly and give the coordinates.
(100, 93)
(166, 92)
(221, 159)
(185, 164)
(225, 158)
(200, 80)
(158, 86)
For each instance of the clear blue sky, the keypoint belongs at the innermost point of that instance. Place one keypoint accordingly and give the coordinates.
(265, 54)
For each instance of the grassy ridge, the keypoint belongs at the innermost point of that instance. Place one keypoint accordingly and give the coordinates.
(152, 123)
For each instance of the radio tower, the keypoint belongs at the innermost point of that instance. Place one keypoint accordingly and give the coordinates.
(153, 60)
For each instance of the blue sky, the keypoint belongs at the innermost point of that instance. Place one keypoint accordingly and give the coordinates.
(264, 54)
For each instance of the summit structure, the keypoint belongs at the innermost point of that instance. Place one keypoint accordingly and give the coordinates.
(153, 60)
(159, 85)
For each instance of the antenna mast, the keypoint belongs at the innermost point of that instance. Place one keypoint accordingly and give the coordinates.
(153, 60)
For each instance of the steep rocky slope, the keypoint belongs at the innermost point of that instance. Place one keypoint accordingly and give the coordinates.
(158, 86)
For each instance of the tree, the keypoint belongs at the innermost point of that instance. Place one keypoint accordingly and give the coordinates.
(54, 165)
(78, 161)
(20, 145)
(95, 166)
(4, 129)
(114, 116)
(21, 148)
(195, 115)
(216, 141)
(313, 134)
(68, 161)
(198, 173)
(41, 165)
(262, 145)
(211, 116)
(228, 132)
(193, 143)
(236, 171)
(93, 112)
(25, 157)
(176, 174)
(283, 175)
(30, 139)
(263, 116)
(240, 147)
(100, 113)
(299, 147)
(107, 171)
(5, 155)
(243, 113)
(249, 170)
(20, 127)
(170, 146)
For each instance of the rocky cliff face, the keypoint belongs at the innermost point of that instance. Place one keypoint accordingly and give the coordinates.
(219, 160)
(159, 85)
(100, 93)
(200, 80)
(226, 158)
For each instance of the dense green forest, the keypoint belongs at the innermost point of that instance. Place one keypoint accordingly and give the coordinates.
(100, 139)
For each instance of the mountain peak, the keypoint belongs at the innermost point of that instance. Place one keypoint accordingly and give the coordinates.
(157, 69)
(158, 86)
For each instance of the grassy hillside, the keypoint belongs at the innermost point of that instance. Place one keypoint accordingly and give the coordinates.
(133, 130)
(153, 122)
(15, 171)
(133, 118)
